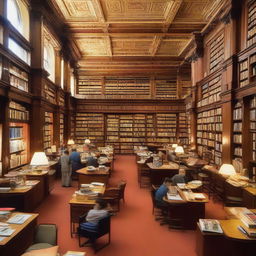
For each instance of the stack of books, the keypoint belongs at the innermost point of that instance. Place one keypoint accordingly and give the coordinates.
(249, 220)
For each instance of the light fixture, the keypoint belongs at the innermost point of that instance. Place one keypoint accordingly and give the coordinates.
(71, 142)
(174, 145)
(179, 150)
(39, 159)
(227, 169)
(87, 141)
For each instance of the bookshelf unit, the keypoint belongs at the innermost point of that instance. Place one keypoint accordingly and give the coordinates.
(237, 132)
(48, 130)
(90, 126)
(1, 143)
(210, 92)
(243, 73)
(61, 129)
(123, 87)
(18, 135)
(166, 126)
(50, 93)
(252, 61)
(18, 78)
(1, 67)
(150, 129)
(253, 131)
(112, 132)
(216, 52)
(183, 129)
(166, 89)
(251, 36)
(72, 126)
(188, 118)
(209, 133)
(89, 86)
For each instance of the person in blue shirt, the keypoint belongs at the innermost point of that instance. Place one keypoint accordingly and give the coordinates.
(75, 160)
(162, 191)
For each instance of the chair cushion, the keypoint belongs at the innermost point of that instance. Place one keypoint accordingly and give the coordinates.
(52, 251)
(38, 246)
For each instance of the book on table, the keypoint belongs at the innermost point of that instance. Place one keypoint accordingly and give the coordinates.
(210, 225)
(248, 218)
(19, 218)
(6, 231)
(250, 232)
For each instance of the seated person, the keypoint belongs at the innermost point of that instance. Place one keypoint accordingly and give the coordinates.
(92, 161)
(179, 178)
(162, 191)
(100, 210)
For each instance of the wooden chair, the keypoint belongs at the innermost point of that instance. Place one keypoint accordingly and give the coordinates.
(113, 195)
(103, 229)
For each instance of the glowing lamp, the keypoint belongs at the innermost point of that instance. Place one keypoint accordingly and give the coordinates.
(39, 159)
(227, 169)
(179, 150)
(71, 142)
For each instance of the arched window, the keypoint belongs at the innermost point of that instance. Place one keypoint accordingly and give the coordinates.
(18, 15)
(49, 61)
(14, 14)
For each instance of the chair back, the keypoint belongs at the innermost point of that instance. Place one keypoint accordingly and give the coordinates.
(104, 225)
(46, 233)
(122, 186)
(153, 193)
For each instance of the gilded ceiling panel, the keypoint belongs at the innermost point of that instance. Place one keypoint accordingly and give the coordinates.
(93, 46)
(171, 48)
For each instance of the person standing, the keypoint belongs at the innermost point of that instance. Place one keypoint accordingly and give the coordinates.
(65, 169)
(75, 162)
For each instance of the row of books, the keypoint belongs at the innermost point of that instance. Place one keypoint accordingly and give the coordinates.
(15, 132)
(17, 160)
(17, 145)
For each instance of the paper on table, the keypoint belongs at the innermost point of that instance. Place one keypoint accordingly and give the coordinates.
(6, 231)
(19, 218)
(2, 238)
(174, 197)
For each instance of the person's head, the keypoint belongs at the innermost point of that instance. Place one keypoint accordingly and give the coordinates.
(66, 152)
(182, 171)
(100, 204)
(167, 181)
(73, 149)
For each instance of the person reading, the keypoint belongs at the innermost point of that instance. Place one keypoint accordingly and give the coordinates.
(162, 191)
(179, 178)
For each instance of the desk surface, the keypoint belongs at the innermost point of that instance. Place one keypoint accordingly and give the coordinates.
(18, 227)
(99, 189)
(96, 172)
(21, 190)
(170, 166)
(251, 190)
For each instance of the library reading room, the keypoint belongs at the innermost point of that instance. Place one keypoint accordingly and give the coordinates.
(128, 127)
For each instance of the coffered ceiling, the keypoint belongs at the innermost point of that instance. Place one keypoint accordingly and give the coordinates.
(150, 33)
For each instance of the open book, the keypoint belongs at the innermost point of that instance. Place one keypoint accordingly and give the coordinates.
(210, 225)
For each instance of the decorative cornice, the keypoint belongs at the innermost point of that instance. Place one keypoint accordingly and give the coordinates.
(195, 48)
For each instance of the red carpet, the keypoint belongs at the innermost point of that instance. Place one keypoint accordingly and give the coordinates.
(134, 230)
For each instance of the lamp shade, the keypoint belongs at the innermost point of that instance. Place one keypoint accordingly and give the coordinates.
(87, 141)
(39, 158)
(227, 169)
(71, 142)
(174, 145)
(179, 150)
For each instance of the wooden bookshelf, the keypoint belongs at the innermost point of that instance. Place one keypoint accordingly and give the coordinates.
(150, 129)
(183, 129)
(62, 99)
(166, 89)
(123, 87)
(252, 61)
(1, 143)
(112, 131)
(18, 78)
(243, 73)
(188, 118)
(209, 133)
(61, 129)
(253, 130)
(251, 36)
(210, 92)
(1, 66)
(89, 86)
(237, 132)
(90, 126)
(72, 126)
(166, 126)
(48, 130)
(18, 135)
(216, 52)
(50, 93)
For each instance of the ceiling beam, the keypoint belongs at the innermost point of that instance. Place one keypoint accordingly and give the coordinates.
(155, 45)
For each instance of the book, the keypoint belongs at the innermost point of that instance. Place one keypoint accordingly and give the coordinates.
(73, 253)
(6, 231)
(250, 232)
(19, 218)
(210, 225)
(248, 218)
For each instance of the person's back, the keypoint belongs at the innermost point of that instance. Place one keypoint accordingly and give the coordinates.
(75, 160)
(162, 190)
(65, 169)
(179, 178)
(65, 162)
(92, 161)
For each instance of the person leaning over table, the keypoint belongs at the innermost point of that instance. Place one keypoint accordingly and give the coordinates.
(75, 161)
(100, 210)
(162, 191)
(65, 169)
(180, 177)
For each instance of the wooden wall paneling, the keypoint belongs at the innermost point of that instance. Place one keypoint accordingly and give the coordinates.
(56, 128)
(57, 68)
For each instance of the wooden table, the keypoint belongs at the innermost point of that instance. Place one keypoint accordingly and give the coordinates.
(26, 198)
(232, 242)
(80, 207)
(21, 239)
(86, 177)
(187, 210)
(157, 174)
(249, 197)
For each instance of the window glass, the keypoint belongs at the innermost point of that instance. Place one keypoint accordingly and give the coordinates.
(49, 61)
(19, 51)
(14, 14)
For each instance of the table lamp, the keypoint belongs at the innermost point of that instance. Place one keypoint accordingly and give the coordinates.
(87, 141)
(227, 169)
(39, 159)
(174, 146)
(179, 150)
(71, 142)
